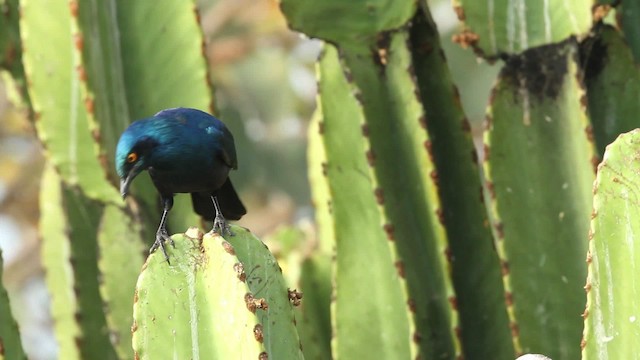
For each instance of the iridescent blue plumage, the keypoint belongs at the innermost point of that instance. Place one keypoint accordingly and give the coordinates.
(185, 151)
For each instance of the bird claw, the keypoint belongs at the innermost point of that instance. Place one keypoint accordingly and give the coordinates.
(161, 237)
(221, 226)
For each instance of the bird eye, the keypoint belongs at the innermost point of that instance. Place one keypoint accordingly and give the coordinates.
(132, 157)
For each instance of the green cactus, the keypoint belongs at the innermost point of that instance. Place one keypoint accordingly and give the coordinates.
(610, 320)
(60, 115)
(483, 325)
(219, 298)
(609, 67)
(10, 345)
(121, 256)
(364, 255)
(504, 27)
(69, 251)
(540, 213)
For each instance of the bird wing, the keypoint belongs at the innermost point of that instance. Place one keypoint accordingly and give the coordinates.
(228, 153)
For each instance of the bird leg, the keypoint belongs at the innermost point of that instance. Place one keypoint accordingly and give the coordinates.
(161, 234)
(220, 222)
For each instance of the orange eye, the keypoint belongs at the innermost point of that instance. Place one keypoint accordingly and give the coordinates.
(132, 157)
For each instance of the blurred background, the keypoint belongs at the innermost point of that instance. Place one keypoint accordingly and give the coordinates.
(265, 85)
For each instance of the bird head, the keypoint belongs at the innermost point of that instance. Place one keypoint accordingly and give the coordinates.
(133, 155)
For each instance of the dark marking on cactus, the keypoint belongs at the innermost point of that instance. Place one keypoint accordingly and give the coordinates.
(379, 193)
(400, 268)
(474, 156)
(79, 341)
(466, 38)
(263, 356)
(428, 145)
(102, 158)
(95, 134)
(508, 298)
(254, 303)
(594, 56)
(365, 129)
(36, 116)
(499, 227)
(587, 287)
(466, 125)
(422, 121)
(595, 161)
(73, 8)
(453, 301)
(585, 314)
(434, 177)
(320, 127)
(78, 42)
(239, 269)
(460, 12)
(515, 330)
(488, 121)
(82, 74)
(228, 248)
(486, 152)
(491, 189)
(389, 230)
(417, 337)
(294, 297)
(583, 343)
(540, 70)
(371, 158)
(594, 214)
(456, 96)
(383, 42)
(412, 305)
(458, 332)
(589, 257)
(600, 11)
(258, 333)
(448, 254)
(440, 215)
(359, 97)
(347, 75)
(135, 355)
(583, 101)
(134, 326)
(89, 104)
(504, 267)
(411, 69)
(590, 235)
(482, 196)
(77, 315)
(589, 131)
(416, 91)
(324, 168)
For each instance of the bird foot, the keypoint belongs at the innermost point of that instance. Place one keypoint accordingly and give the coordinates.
(161, 237)
(221, 226)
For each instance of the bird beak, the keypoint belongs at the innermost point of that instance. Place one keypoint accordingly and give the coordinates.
(124, 183)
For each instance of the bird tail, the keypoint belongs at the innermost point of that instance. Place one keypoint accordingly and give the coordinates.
(230, 204)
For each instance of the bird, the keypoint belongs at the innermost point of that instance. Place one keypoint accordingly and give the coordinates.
(185, 151)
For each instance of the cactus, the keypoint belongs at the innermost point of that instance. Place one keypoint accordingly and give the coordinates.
(483, 325)
(221, 298)
(121, 256)
(10, 345)
(364, 256)
(504, 27)
(540, 214)
(69, 220)
(608, 64)
(610, 320)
